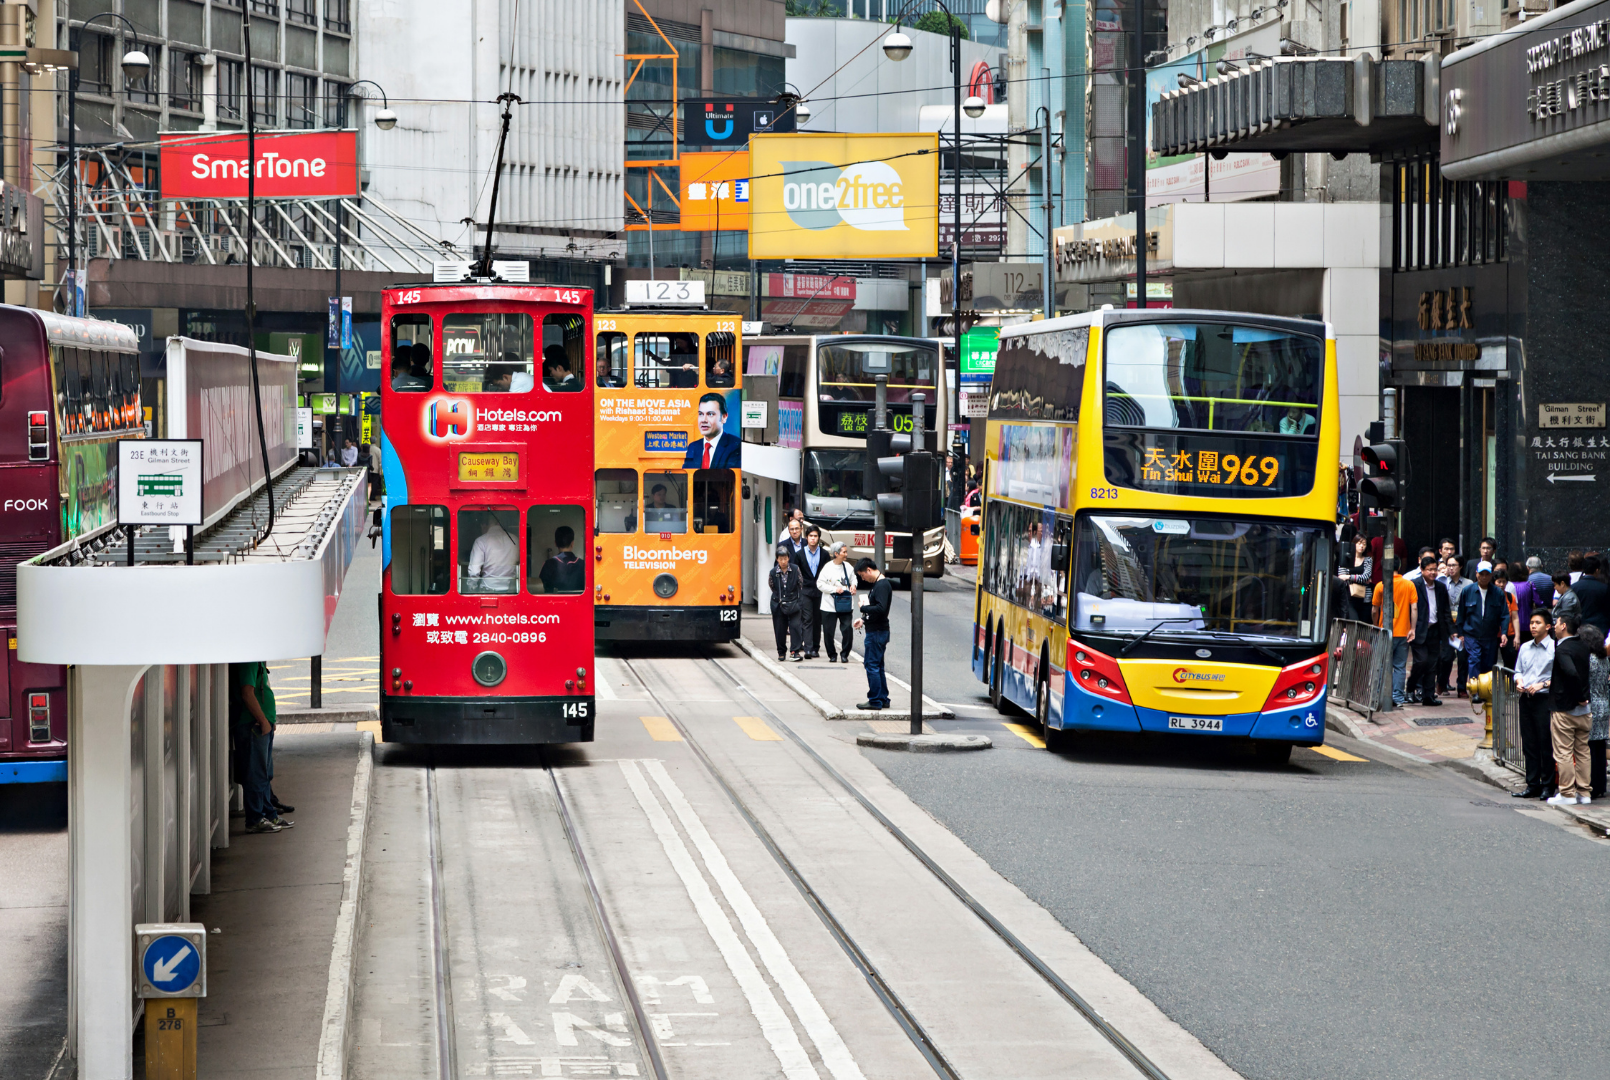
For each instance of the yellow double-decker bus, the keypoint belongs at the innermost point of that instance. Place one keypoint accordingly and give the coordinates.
(1159, 514)
(668, 450)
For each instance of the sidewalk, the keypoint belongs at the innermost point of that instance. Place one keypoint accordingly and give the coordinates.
(1448, 734)
(834, 690)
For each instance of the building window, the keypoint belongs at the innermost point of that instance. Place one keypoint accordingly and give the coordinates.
(302, 11)
(148, 91)
(266, 7)
(98, 70)
(265, 94)
(184, 81)
(231, 85)
(335, 103)
(301, 100)
(338, 15)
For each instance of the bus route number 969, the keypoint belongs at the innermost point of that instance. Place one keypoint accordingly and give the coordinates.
(518, 637)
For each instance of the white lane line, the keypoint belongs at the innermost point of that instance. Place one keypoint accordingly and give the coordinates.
(774, 1023)
(835, 1055)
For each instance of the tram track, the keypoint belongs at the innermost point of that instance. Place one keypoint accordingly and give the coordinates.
(903, 1017)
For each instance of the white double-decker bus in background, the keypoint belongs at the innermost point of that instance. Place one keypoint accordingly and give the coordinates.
(825, 398)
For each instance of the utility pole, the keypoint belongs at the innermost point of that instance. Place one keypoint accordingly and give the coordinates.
(956, 183)
(1137, 146)
(880, 416)
(1046, 268)
(918, 445)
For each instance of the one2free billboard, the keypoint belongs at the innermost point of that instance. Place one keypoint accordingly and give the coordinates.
(290, 164)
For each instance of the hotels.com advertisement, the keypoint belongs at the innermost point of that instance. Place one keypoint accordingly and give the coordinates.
(299, 164)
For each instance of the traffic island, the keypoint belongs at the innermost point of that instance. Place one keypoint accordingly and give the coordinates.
(924, 744)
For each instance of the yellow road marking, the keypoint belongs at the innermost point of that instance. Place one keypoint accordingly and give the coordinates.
(1339, 755)
(756, 729)
(1027, 734)
(660, 729)
(371, 725)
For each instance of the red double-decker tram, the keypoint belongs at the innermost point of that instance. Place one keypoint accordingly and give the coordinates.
(486, 606)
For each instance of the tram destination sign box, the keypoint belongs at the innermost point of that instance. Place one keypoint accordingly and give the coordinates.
(159, 482)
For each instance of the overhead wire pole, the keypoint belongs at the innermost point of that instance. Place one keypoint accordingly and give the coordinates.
(1137, 147)
(251, 260)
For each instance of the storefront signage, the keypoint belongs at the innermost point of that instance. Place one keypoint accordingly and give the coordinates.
(1578, 415)
(159, 481)
(976, 361)
(731, 121)
(715, 191)
(1074, 252)
(290, 164)
(1446, 309)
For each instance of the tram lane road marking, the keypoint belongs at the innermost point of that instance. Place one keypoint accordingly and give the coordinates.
(1332, 752)
(774, 1023)
(756, 729)
(829, 1044)
(661, 729)
(1027, 734)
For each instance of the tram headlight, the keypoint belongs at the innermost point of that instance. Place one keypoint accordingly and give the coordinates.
(665, 586)
(489, 669)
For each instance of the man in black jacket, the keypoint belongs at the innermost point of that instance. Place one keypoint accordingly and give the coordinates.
(1593, 593)
(875, 618)
(1568, 690)
(1430, 632)
(787, 601)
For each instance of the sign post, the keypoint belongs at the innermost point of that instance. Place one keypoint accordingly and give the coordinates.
(172, 975)
(159, 483)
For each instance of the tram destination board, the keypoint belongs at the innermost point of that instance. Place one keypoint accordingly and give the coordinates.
(1193, 465)
(484, 468)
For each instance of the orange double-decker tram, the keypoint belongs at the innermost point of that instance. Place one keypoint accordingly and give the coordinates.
(668, 453)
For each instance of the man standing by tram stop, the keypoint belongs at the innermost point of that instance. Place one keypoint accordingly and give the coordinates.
(1483, 615)
(253, 716)
(875, 619)
(1405, 616)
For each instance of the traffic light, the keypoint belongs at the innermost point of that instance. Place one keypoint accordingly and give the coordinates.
(910, 498)
(1387, 484)
(877, 447)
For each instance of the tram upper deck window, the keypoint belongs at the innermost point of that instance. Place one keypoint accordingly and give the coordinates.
(412, 366)
(616, 492)
(1214, 377)
(564, 353)
(842, 374)
(551, 536)
(666, 360)
(720, 359)
(665, 502)
(420, 560)
(488, 553)
(610, 360)
(489, 353)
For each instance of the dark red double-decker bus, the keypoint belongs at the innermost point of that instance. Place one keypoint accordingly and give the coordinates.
(486, 605)
(69, 389)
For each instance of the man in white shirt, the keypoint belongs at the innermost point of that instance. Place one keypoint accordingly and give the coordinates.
(494, 558)
(1534, 667)
(349, 454)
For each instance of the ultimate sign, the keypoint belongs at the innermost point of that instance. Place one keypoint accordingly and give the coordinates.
(290, 165)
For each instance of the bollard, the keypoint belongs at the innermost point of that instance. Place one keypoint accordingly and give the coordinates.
(172, 975)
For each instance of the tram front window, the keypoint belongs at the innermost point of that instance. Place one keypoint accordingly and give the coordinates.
(665, 502)
(488, 551)
(490, 353)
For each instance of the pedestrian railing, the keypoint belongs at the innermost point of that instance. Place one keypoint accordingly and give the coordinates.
(1507, 719)
(1361, 666)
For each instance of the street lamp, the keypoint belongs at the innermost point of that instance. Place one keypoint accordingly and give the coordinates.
(385, 119)
(897, 46)
(136, 65)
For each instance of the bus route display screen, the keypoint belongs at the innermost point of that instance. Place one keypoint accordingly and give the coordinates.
(857, 420)
(484, 468)
(1206, 466)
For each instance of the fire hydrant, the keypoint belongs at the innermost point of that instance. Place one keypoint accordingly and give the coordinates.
(1480, 689)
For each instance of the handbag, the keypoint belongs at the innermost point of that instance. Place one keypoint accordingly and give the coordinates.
(842, 602)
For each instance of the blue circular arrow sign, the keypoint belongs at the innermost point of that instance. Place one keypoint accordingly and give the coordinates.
(171, 964)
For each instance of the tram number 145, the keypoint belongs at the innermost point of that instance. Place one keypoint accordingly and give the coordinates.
(574, 710)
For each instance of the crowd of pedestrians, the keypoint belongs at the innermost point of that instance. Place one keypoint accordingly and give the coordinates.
(1550, 629)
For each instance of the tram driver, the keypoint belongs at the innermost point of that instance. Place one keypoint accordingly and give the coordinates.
(494, 559)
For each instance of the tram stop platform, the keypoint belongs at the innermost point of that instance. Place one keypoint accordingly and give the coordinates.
(835, 690)
(148, 648)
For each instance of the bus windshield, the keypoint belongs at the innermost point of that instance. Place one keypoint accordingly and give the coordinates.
(842, 374)
(1200, 576)
(1213, 377)
(833, 487)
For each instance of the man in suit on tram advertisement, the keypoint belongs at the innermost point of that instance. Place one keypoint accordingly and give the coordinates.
(716, 448)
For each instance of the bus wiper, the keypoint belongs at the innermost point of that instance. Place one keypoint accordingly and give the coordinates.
(1127, 649)
(1253, 645)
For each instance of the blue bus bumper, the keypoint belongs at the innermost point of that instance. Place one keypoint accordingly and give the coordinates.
(1084, 711)
(33, 772)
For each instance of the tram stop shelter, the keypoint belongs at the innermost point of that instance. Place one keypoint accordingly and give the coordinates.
(148, 648)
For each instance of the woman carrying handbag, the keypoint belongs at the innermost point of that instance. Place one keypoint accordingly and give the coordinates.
(837, 585)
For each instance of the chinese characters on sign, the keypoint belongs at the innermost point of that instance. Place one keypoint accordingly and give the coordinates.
(1570, 416)
(159, 481)
(1446, 309)
(489, 468)
(1576, 90)
(1210, 467)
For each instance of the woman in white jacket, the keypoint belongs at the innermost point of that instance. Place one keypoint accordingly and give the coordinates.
(838, 585)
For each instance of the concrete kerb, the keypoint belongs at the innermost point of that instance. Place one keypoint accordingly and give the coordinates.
(924, 744)
(330, 714)
(334, 1035)
(931, 709)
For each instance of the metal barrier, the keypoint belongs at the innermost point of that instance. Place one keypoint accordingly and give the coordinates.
(1507, 720)
(953, 529)
(1361, 666)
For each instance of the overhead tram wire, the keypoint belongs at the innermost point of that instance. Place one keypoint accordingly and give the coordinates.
(251, 261)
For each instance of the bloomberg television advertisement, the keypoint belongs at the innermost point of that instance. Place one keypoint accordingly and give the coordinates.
(844, 196)
(290, 164)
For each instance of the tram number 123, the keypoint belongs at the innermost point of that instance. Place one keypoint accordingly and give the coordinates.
(574, 710)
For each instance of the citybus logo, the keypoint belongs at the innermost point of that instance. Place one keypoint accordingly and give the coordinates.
(448, 419)
(1181, 675)
(866, 195)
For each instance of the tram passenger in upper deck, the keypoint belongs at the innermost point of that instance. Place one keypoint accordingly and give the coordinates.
(556, 373)
(410, 366)
(605, 379)
(720, 374)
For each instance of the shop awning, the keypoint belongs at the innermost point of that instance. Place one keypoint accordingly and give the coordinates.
(1304, 104)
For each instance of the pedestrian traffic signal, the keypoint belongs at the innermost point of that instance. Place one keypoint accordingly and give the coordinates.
(877, 447)
(914, 505)
(1386, 485)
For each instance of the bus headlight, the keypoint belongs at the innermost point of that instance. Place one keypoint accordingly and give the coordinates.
(489, 669)
(665, 586)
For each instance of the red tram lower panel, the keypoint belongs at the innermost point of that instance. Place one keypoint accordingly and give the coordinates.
(487, 721)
